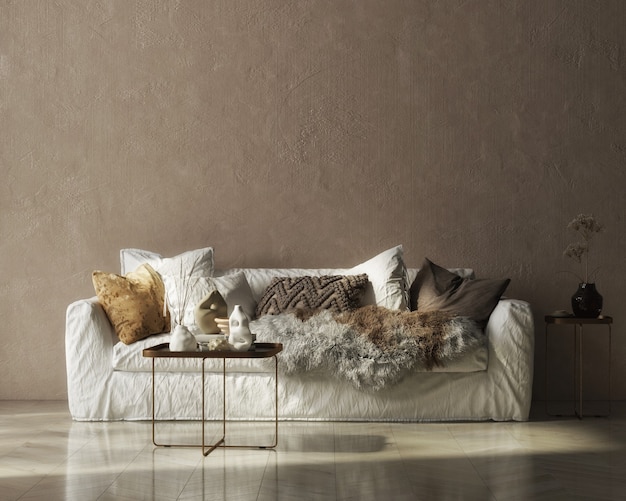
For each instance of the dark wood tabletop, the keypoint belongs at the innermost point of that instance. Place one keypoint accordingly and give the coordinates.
(258, 350)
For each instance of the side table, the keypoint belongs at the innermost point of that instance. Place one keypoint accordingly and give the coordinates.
(261, 350)
(578, 323)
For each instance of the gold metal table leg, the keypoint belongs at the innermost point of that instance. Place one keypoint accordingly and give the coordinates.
(579, 347)
(207, 449)
(275, 443)
(221, 441)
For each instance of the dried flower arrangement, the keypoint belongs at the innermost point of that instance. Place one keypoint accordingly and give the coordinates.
(178, 297)
(177, 301)
(587, 227)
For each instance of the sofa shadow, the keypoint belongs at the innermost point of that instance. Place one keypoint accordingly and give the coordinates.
(334, 443)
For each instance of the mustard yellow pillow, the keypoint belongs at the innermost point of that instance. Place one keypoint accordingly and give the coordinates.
(133, 303)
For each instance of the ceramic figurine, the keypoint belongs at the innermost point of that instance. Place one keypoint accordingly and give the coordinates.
(212, 306)
(239, 336)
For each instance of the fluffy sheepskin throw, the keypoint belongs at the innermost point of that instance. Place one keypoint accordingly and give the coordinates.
(371, 347)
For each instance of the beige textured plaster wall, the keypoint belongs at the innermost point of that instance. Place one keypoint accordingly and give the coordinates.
(309, 133)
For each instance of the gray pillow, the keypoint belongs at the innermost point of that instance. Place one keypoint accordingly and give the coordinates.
(436, 288)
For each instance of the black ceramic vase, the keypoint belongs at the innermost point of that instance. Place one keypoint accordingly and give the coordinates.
(587, 301)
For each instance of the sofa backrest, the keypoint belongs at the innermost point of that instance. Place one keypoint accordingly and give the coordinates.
(260, 278)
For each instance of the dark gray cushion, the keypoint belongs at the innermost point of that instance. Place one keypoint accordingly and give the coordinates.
(436, 288)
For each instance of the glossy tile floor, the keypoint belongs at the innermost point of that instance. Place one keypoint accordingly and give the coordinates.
(44, 455)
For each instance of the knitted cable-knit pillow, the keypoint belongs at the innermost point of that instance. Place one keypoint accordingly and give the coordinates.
(336, 293)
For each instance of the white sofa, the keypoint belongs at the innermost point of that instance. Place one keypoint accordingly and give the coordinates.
(108, 380)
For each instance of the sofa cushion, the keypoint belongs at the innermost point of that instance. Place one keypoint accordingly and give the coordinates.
(412, 274)
(179, 274)
(336, 293)
(201, 260)
(386, 272)
(233, 288)
(388, 279)
(436, 288)
(134, 303)
(130, 359)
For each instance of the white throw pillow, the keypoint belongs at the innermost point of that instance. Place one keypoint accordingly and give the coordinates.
(179, 273)
(388, 278)
(130, 259)
(234, 289)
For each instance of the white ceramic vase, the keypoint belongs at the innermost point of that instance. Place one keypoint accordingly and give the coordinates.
(239, 336)
(182, 340)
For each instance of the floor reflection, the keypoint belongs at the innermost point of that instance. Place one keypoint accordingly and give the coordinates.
(44, 455)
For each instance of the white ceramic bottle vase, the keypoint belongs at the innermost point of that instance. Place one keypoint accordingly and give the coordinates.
(240, 336)
(182, 340)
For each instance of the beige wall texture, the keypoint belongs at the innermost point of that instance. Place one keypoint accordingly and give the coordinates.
(308, 133)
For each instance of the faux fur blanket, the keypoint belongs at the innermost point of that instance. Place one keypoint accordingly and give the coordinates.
(371, 347)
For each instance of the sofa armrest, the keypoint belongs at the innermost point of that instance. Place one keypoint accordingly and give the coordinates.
(89, 339)
(511, 339)
(511, 328)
